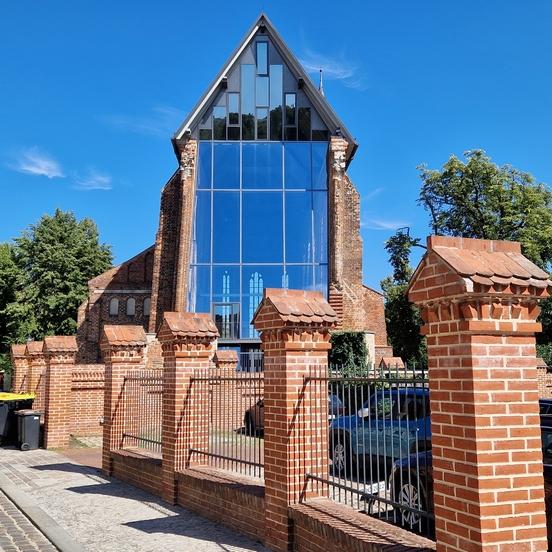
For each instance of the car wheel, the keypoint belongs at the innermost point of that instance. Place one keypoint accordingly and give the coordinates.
(409, 493)
(340, 453)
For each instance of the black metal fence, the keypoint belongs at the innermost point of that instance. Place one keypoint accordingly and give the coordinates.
(235, 422)
(143, 410)
(379, 443)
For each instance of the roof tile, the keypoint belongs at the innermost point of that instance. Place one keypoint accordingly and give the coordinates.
(189, 324)
(124, 335)
(59, 343)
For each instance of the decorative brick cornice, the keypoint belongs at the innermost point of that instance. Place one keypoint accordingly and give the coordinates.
(454, 267)
(60, 344)
(297, 311)
(35, 348)
(18, 351)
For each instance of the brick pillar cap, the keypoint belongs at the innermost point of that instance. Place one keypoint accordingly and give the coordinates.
(34, 347)
(124, 335)
(60, 344)
(226, 355)
(18, 350)
(391, 362)
(482, 266)
(187, 324)
(296, 307)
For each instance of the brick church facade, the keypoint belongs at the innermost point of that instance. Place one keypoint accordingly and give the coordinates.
(261, 198)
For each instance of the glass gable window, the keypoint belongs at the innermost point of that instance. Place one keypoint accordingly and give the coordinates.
(260, 221)
(261, 192)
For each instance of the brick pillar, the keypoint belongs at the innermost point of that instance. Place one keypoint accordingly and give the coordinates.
(188, 341)
(294, 328)
(226, 362)
(224, 393)
(35, 374)
(20, 365)
(479, 302)
(60, 353)
(123, 351)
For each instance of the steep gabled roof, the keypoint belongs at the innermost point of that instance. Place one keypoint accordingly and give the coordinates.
(319, 102)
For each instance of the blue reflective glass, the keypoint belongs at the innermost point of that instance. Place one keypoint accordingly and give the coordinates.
(226, 284)
(300, 277)
(226, 227)
(262, 227)
(205, 158)
(320, 211)
(299, 243)
(226, 165)
(254, 280)
(319, 166)
(261, 91)
(297, 162)
(321, 279)
(201, 249)
(199, 295)
(262, 165)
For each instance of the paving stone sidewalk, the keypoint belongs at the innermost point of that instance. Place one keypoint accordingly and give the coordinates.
(107, 515)
(17, 533)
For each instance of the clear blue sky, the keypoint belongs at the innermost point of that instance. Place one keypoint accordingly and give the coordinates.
(91, 91)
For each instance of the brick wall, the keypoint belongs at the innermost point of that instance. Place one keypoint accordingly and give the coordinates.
(229, 499)
(137, 469)
(130, 280)
(544, 379)
(87, 390)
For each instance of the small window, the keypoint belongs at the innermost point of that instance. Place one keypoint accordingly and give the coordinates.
(233, 108)
(131, 307)
(219, 122)
(291, 102)
(114, 307)
(262, 58)
(147, 306)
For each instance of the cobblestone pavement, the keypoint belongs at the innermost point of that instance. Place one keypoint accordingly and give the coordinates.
(104, 515)
(17, 533)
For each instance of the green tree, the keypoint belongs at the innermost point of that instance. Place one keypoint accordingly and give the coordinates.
(56, 257)
(402, 317)
(476, 198)
(9, 276)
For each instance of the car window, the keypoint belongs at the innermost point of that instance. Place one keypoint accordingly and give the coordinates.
(546, 436)
(401, 406)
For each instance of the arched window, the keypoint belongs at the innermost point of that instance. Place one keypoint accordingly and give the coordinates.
(114, 307)
(131, 307)
(147, 306)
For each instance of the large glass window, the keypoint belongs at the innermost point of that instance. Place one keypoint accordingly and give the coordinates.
(226, 165)
(298, 165)
(262, 227)
(226, 227)
(260, 221)
(262, 165)
(201, 247)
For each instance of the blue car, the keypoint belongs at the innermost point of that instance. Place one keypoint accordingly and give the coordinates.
(392, 423)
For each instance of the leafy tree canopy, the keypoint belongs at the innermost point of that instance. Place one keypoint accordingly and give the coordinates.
(46, 274)
(476, 198)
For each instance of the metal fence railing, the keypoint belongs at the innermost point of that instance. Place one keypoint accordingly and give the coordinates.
(143, 410)
(379, 442)
(235, 422)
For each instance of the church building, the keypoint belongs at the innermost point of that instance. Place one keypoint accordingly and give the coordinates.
(260, 198)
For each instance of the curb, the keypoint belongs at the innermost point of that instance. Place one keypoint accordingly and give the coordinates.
(38, 517)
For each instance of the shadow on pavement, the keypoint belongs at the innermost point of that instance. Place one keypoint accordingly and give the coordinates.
(67, 467)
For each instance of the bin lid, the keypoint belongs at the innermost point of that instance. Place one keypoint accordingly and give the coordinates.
(27, 412)
(6, 397)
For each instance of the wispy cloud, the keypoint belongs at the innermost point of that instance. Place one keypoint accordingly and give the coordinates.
(372, 193)
(93, 180)
(338, 68)
(162, 121)
(383, 224)
(37, 162)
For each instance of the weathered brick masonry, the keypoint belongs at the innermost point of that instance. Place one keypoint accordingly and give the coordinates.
(544, 378)
(479, 302)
